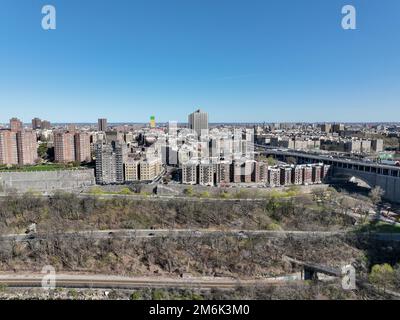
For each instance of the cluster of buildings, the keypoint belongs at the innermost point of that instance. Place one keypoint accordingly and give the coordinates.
(295, 143)
(17, 145)
(71, 146)
(142, 169)
(352, 145)
(215, 157)
(38, 124)
(114, 165)
(123, 157)
(330, 137)
(202, 154)
(224, 173)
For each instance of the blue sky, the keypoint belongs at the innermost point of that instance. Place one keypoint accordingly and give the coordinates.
(240, 60)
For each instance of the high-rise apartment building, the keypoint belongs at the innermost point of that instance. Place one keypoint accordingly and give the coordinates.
(198, 121)
(8, 147)
(206, 174)
(15, 125)
(337, 127)
(297, 175)
(353, 146)
(223, 172)
(307, 175)
(326, 127)
(114, 136)
(109, 163)
(286, 176)
(45, 125)
(82, 147)
(64, 147)
(102, 124)
(259, 172)
(366, 146)
(274, 176)
(263, 171)
(236, 172)
(19, 147)
(71, 146)
(242, 171)
(377, 145)
(36, 123)
(189, 172)
(26, 147)
(316, 174)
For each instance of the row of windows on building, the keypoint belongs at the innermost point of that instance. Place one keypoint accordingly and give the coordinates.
(18, 147)
(113, 166)
(210, 174)
(72, 146)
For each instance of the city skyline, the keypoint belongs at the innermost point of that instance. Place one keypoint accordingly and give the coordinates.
(282, 63)
(28, 124)
(195, 156)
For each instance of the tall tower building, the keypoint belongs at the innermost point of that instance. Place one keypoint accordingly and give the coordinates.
(45, 125)
(8, 147)
(64, 147)
(198, 121)
(15, 124)
(326, 127)
(109, 163)
(18, 147)
(36, 123)
(26, 147)
(82, 146)
(102, 124)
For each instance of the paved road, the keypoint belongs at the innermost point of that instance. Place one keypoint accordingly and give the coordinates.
(148, 233)
(189, 233)
(167, 198)
(106, 281)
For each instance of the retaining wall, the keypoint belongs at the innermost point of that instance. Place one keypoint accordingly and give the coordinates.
(46, 181)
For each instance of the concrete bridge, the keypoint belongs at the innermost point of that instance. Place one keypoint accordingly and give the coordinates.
(374, 174)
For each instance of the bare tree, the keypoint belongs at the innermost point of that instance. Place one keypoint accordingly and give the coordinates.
(376, 195)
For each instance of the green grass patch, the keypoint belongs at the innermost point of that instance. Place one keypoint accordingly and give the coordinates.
(39, 167)
(380, 227)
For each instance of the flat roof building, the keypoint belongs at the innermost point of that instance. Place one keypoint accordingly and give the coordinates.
(64, 147)
(198, 122)
(8, 148)
(189, 172)
(102, 124)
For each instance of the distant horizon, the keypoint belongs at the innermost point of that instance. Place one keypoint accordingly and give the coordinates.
(216, 123)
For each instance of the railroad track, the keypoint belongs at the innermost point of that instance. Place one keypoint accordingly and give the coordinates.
(107, 282)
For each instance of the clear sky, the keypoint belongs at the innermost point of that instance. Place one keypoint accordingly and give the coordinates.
(240, 60)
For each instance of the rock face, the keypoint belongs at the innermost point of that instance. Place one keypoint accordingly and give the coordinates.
(46, 181)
